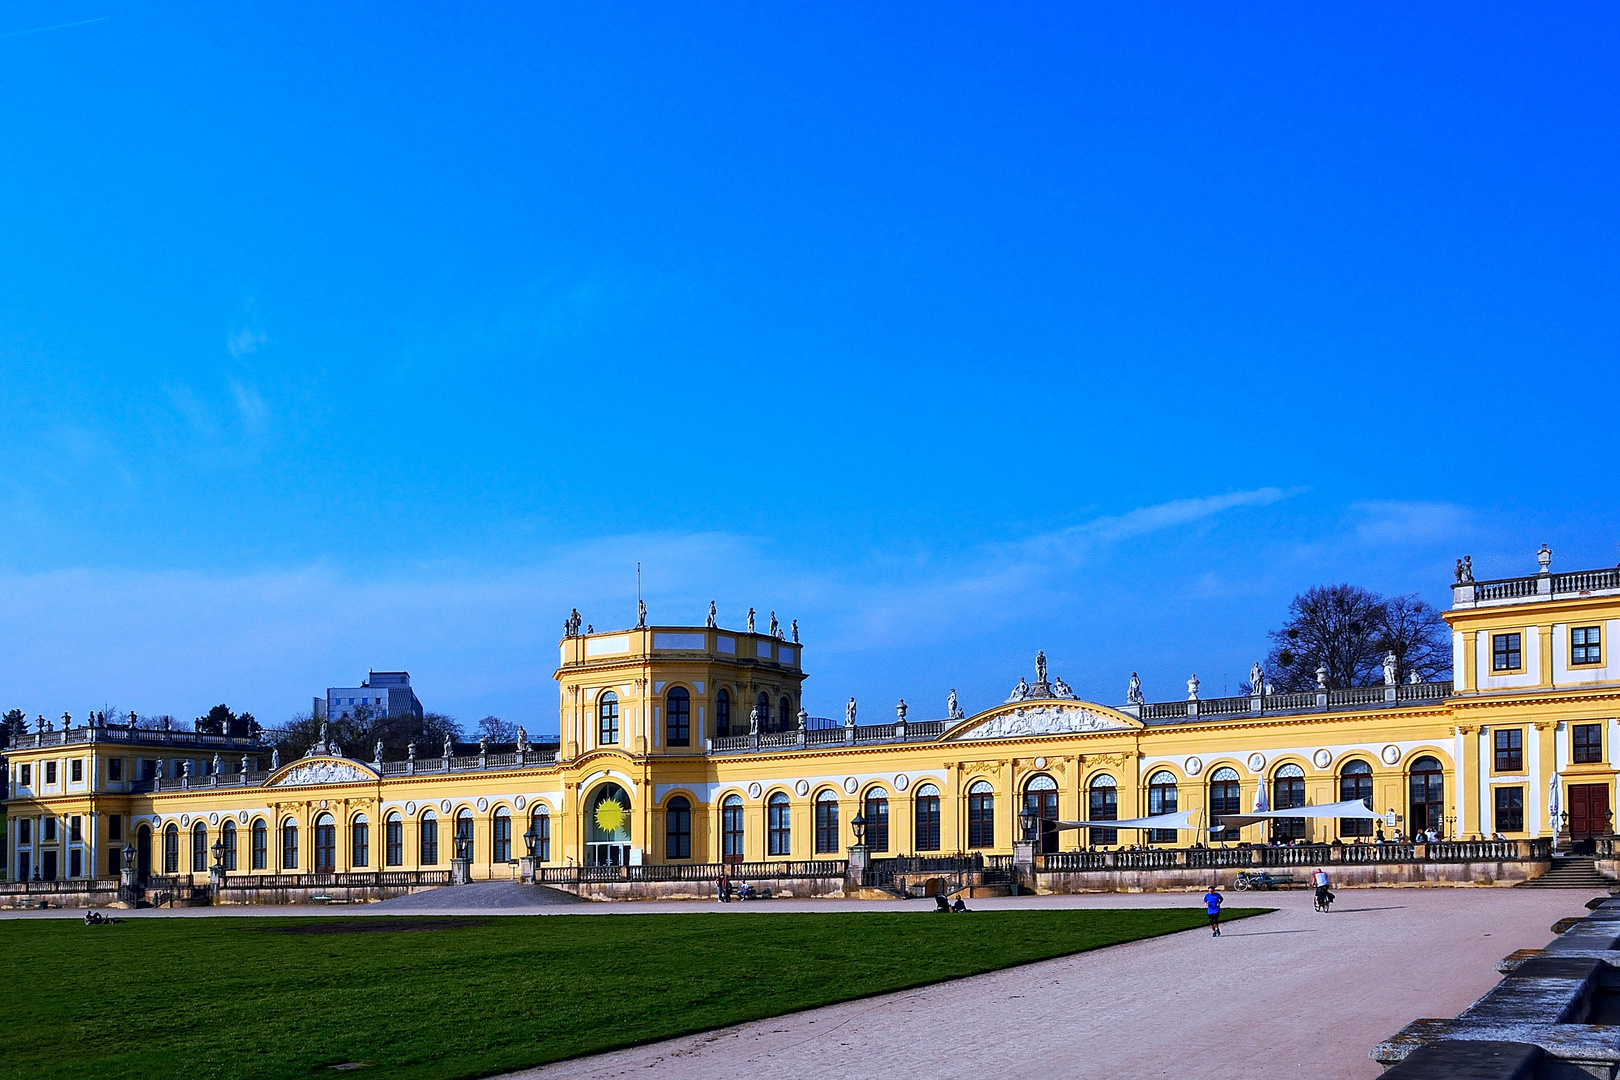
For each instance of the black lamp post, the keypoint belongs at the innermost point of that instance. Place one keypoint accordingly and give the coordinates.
(532, 839)
(218, 851)
(129, 857)
(1026, 821)
(858, 823)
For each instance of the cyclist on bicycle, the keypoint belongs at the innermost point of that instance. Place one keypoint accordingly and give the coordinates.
(1323, 896)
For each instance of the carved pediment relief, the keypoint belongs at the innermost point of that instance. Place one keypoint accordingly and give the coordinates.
(323, 771)
(1043, 718)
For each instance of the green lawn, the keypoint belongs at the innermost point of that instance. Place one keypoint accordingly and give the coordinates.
(279, 997)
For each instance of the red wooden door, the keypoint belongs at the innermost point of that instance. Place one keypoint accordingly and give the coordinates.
(1588, 810)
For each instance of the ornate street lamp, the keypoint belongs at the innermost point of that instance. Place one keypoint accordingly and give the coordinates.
(858, 823)
(1026, 821)
(218, 851)
(532, 839)
(129, 857)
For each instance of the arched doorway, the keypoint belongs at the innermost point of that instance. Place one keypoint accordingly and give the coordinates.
(1288, 792)
(1041, 799)
(143, 854)
(1163, 798)
(325, 845)
(1103, 805)
(1356, 782)
(1428, 795)
(607, 827)
(1225, 797)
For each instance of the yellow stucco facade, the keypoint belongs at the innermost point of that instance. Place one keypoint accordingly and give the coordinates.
(696, 737)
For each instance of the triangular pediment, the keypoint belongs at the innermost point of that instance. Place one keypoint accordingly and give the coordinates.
(322, 770)
(1033, 719)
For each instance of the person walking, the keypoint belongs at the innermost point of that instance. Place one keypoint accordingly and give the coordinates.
(723, 886)
(1212, 904)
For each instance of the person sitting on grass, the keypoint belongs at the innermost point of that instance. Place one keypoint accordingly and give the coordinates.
(959, 906)
(942, 904)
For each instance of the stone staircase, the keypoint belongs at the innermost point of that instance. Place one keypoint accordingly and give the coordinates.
(1571, 872)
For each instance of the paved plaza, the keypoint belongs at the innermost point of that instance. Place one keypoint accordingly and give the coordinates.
(1290, 994)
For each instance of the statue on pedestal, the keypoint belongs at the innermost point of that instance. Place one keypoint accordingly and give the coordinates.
(900, 711)
(523, 740)
(750, 620)
(1020, 692)
(1389, 668)
(1133, 692)
(849, 713)
(275, 758)
(641, 614)
(1257, 680)
(1192, 688)
(776, 629)
(795, 631)
(377, 752)
(1040, 666)
(712, 623)
(754, 718)
(449, 747)
(953, 711)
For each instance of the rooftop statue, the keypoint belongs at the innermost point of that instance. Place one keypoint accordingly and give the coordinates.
(483, 745)
(641, 613)
(900, 710)
(523, 740)
(219, 766)
(1322, 676)
(1133, 692)
(711, 623)
(275, 758)
(849, 713)
(449, 747)
(377, 751)
(754, 717)
(953, 711)
(1020, 692)
(1414, 678)
(804, 718)
(571, 624)
(1061, 689)
(776, 629)
(1465, 570)
(750, 620)
(1389, 668)
(410, 750)
(1257, 679)
(1040, 666)
(795, 631)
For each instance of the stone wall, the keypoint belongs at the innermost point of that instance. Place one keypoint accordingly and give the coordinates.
(334, 894)
(1343, 876)
(796, 888)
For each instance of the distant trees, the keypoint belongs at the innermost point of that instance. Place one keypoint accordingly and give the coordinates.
(222, 721)
(497, 730)
(1348, 630)
(359, 732)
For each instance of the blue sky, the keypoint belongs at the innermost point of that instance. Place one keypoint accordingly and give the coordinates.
(336, 337)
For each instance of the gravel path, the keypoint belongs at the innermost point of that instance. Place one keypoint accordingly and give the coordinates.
(1292, 994)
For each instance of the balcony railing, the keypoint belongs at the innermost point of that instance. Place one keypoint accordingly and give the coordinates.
(128, 736)
(1358, 697)
(821, 733)
(1297, 855)
(1543, 586)
(706, 872)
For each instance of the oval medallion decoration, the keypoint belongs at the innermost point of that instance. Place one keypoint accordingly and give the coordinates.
(1040, 763)
(410, 809)
(242, 816)
(444, 806)
(850, 784)
(1193, 766)
(1257, 762)
(157, 819)
(753, 791)
(901, 782)
(213, 819)
(185, 821)
(802, 787)
(519, 802)
(1322, 759)
(483, 804)
(1391, 754)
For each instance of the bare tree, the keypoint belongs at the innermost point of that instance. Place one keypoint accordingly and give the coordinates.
(497, 730)
(1347, 630)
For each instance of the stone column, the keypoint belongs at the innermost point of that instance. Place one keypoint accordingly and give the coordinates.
(460, 869)
(855, 870)
(528, 869)
(1024, 863)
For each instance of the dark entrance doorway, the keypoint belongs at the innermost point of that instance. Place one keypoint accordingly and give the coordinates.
(1041, 799)
(1588, 811)
(1428, 804)
(143, 854)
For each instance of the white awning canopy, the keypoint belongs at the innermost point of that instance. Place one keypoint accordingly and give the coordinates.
(1180, 820)
(1353, 808)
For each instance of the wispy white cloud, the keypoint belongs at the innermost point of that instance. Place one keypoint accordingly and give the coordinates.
(250, 408)
(240, 343)
(1391, 522)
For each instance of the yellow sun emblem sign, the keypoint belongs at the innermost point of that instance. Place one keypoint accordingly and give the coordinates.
(609, 816)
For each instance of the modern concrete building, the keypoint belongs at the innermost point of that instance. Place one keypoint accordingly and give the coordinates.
(384, 693)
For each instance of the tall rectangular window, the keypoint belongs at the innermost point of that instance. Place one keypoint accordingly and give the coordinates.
(779, 827)
(981, 820)
(115, 768)
(1510, 809)
(50, 772)
(927, 815)
(115, 826)
(360, 843)
(394, 842)
(1506, 653)
(826, 826)
(26, 775)
(1586, 743)
(76, 829)
(1509, 749)
(289, 846)
(1586, 645)
(501, 837)
(261, 846)
(76, 770)
(76, 862)
(430, 842)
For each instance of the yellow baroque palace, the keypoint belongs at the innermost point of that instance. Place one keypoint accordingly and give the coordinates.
(689, 746)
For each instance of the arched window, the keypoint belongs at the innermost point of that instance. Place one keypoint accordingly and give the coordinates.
(289, 844)
(1288, 792)
(1428, 786)
(227, 839)
(678, 716)
(1162, 799)
(722, 715)
(1104, 806)
(607, 827)
(778, 826)
(325, 845)
(763, 706)
(199, 848)
(359, 841)
(981, 815)
(541, 824)
(731, 829)
(1355, 782)
(171, 849)
(1041, 799)
(678, 828)
(607, 719)
(826, 822)
(261, 845)
(1225, 797)
(925, 811)
(500, 838)
(877, 819)
(429, 846)
(464, 834)
(394, 840)
(784, 715)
